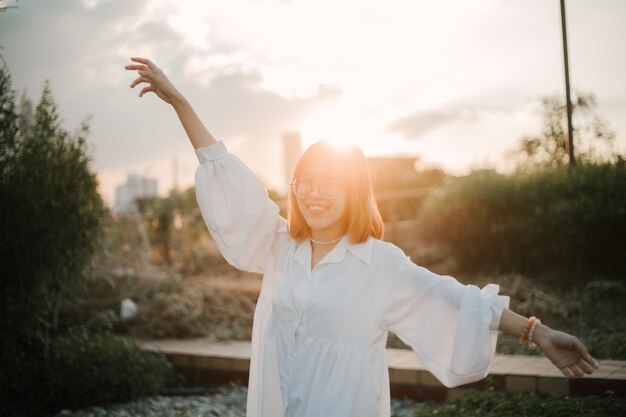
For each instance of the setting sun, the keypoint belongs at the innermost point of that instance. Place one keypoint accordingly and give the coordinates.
(344, 124)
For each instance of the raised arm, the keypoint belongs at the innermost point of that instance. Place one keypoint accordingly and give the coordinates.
(235, 206)
(159, 84)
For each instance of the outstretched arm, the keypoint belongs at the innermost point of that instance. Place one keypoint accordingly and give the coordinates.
(564, 350)
(164, 89)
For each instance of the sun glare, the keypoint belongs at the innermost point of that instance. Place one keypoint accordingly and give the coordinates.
(337, 123)
(343, 125)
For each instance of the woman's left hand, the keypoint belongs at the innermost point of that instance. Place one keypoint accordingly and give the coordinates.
(566, 352)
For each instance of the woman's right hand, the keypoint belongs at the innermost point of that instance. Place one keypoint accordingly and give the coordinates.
(156, 79)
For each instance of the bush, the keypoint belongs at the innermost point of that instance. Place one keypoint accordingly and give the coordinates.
(547, 221)
(91, 369)
(512, 404)
(80, 370)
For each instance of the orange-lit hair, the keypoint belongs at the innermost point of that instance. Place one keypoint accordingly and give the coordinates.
(362, 216)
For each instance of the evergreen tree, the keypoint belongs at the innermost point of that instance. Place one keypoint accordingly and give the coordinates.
(50, 213)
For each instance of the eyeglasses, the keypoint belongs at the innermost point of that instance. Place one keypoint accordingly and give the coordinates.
(303, 187)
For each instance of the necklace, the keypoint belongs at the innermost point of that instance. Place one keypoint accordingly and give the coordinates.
(325, 243)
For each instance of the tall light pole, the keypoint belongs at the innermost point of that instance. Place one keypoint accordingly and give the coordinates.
(568, 102)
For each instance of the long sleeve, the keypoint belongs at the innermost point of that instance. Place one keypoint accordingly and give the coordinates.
(452, 327)
(236, 208)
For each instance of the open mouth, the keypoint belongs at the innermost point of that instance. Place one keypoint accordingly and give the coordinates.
(316, 208)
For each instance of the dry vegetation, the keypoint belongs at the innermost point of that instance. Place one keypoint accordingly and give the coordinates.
(218, 304)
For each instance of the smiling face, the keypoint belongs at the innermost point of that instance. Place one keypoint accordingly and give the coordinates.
(353, 209)
(326, 217)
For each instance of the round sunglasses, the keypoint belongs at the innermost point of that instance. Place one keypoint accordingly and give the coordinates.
(328, 189)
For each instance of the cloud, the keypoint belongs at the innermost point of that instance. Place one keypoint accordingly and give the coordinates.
(416, 125)
(467, 112)
(253, 69)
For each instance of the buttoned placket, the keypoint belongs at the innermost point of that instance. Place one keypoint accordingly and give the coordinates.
(312, 281)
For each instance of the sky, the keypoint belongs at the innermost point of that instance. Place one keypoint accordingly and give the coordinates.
(456, 83)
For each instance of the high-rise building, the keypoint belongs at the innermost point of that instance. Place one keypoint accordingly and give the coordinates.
(135, 187)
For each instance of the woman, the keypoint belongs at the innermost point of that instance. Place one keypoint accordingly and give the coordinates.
(332, 290)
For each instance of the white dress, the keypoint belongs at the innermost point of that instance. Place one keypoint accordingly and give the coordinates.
(319, 336)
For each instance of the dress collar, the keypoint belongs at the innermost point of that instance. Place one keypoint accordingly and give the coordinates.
(362, 250)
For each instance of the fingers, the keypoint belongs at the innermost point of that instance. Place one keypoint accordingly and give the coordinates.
(572, 371)
(137, 67)
(566, 371)
(584, 365)
(585, 355)
(147, 74)
(576, 370)
(147, 90)
(139, 80)
(145, 61)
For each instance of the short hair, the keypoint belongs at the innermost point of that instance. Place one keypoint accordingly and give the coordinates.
(361, 215)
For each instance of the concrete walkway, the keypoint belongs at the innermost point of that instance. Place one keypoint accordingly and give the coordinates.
(203, 361)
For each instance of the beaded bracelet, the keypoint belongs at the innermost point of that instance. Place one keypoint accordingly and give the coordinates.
(531, 343)
(522, 338)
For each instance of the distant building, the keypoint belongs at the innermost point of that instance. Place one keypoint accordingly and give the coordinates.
(390, 173)
(136, 187)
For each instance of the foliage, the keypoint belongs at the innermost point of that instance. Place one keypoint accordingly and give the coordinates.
(508, 404)
(81, 369)
(198, 310)
(592, 137)
(549, 220)
(178, 237)
(162, 218)
(50, 213)
(592, 311)
(88, 369)
(50, 217)
(596, 311)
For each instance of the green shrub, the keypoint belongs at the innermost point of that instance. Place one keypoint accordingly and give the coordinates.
(91, 369)
(513, 404)
(80, 370)
(547, 221)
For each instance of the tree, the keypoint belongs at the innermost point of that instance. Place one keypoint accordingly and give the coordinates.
(593, 137)
(50, 223)
(10, 123)
(50, 214)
